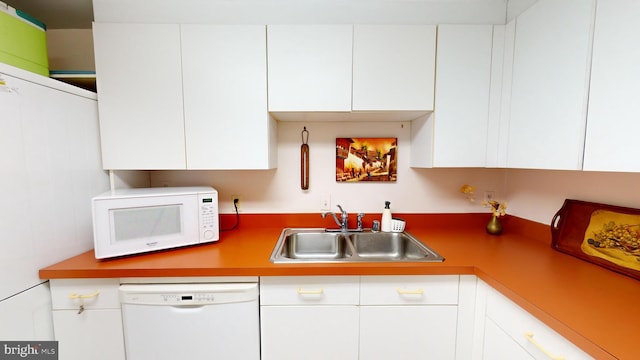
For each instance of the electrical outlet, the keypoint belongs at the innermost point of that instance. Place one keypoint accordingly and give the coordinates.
(237, 204)
(325, 202)
(489, 195)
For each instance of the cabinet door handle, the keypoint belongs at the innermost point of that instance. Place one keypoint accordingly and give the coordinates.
(302, 291)
(529, 336)
(418, 291)
(80, 296)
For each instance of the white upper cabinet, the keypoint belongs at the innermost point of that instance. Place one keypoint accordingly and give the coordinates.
(500, 94)
(347, 72)
(225, 97)
(550, 85)
(393, 67)
(310, 67)
(612, 142)
(139, 82)
(455, 135)
(463, 80)
(183, 97)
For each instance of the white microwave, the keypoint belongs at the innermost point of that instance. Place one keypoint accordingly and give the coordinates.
(131, 221)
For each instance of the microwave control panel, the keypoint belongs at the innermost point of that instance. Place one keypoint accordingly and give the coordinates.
(208, 206)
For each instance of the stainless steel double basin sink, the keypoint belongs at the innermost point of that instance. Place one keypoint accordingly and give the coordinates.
(297, 245)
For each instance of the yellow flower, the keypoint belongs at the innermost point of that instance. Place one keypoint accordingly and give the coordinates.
(497, 208)
(467, 189)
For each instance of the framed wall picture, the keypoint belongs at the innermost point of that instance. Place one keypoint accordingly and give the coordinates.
(366, 159)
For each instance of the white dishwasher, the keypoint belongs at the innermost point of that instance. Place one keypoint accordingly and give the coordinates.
(191, 321)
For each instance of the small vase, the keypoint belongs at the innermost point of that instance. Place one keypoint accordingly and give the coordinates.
(494, 227)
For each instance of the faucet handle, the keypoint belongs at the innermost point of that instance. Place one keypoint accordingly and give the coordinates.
(344, 218)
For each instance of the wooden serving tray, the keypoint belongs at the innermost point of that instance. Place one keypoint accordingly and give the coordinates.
(606, 235)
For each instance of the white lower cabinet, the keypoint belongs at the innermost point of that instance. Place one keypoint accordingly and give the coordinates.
(93, 334)
(498, 345)
(309, 332)
(408, 317)
(352, 317)
(407, 332)
(339, 317)
(87, 322)
(309, 317)
(510, 332)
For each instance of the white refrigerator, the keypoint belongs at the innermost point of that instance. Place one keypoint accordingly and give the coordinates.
(50, 167)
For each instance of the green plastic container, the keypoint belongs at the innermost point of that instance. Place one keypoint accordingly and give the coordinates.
(23, 41)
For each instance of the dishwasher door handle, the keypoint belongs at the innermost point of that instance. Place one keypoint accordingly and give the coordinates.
(186, 308)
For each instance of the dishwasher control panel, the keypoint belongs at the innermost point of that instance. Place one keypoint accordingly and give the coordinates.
(187, 294)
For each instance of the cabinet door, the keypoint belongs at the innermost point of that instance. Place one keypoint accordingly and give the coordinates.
(393, 67)
(550, 85)
(500, 94)
(93, 334)
(499, 345)
(407, 332)
(456, 134)
(138, 68)
(535, 337)
(309, 332)
(225, 98)
(462, 95)
(309, 67)
(612, 126)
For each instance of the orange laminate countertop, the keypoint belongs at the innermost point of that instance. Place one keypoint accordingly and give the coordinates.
(596, 309)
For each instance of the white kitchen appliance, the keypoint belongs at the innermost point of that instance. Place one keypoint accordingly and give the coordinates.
(130, 221)
(191, 321)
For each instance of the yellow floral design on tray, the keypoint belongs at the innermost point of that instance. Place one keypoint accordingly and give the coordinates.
(614, 237)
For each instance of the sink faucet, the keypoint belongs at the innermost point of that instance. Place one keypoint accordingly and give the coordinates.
(343, 222)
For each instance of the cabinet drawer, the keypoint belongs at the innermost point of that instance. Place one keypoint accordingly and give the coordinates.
(531, 334)
(305, 290)
(69, 294)
(409, 290)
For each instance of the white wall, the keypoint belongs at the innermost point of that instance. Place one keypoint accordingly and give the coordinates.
(532, 194)
(70, 49)
(278, 191)
(538, 194)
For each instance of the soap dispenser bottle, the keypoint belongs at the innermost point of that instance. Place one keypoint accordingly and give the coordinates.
(386, 217)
